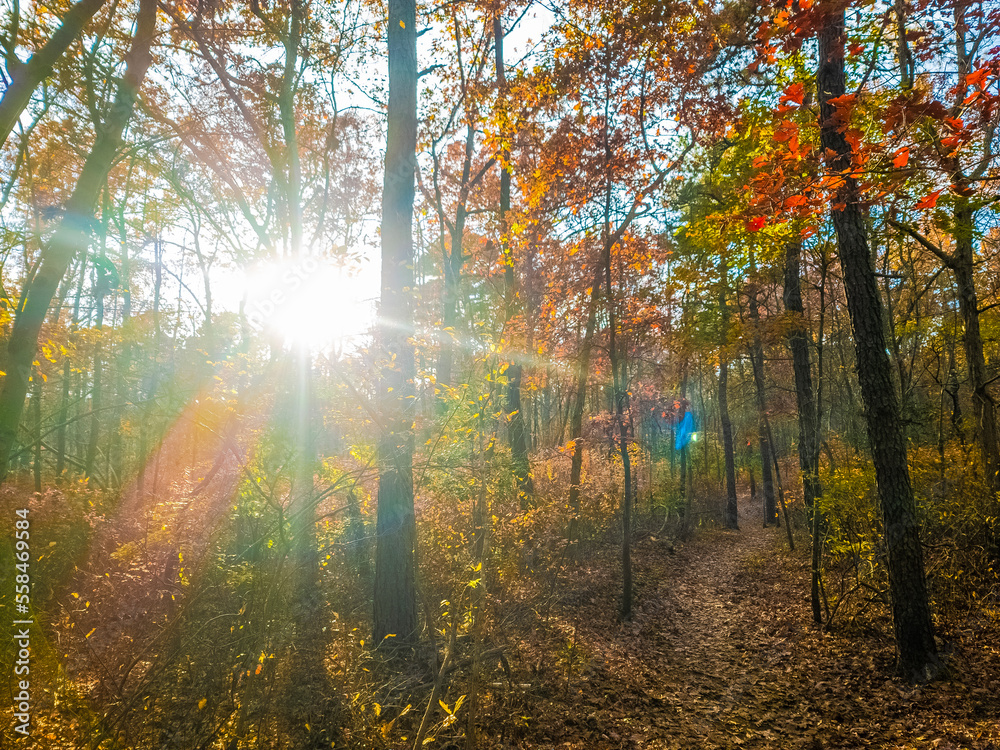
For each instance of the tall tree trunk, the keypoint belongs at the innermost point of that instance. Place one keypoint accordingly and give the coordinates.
(97, 391)
(452, 267)
(914, 632)
(620, 396)
(516, 433)
(579, 402)
(757, 366)
(983, 404)
(67, 377)
(732, 509)
(798, 342)
(395, 595)
(71, 235)
(36, 398)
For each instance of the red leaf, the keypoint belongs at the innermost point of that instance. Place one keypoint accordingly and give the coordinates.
(756, 223)
(847, 100)
(977, 77)
(928, 201)
(902, 157)
(853, 137)
(794, 93)
(785, 131)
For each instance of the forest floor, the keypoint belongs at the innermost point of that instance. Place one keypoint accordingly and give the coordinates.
(722, 653)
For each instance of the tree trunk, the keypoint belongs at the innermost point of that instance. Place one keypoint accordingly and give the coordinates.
(984, 406)
(757, 366)
(72, 234)
(620, 395)
(36, 398)
(26, 76)
(579, 401)
(395, 611)
(798, 342)
(917, 652)
(516, 433)
(732, 510)
(452, 267)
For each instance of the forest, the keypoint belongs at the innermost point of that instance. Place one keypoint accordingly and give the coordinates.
(499, 374)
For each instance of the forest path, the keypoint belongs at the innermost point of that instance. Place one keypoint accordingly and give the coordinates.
(118, 609)
(722, 653)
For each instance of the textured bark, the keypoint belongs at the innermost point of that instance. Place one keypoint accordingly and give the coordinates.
(757, 365)
(72, 234)
(26, 76)
(914, 633)
(968, 303)
(798, 342)
(395, 594)
(732, 510)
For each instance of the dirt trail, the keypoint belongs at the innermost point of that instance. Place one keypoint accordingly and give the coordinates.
(722, 653)
(116, 609)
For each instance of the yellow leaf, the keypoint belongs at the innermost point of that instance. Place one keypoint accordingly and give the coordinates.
(90, 633)
(202, 703)
(402, 25)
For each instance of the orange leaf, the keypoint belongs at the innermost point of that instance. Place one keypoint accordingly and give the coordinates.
(794, 93)
(795, 201)
(902, 157)
(977, 77)
(786, 129)
(846, 100)
(928, 201)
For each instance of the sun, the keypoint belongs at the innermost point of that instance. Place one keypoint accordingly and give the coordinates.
(310, 302)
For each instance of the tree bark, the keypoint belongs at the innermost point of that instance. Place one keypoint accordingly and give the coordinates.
(968, 302)
(914, 633)
(516, 433)
(798, 342)
(732, 509)
(395, 612)
(757, 366)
